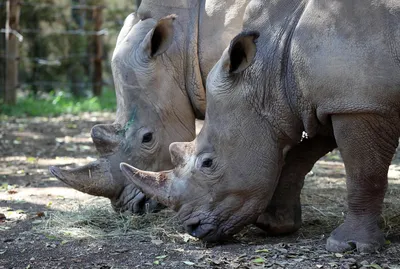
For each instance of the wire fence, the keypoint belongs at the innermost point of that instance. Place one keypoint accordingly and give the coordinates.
(62, 45)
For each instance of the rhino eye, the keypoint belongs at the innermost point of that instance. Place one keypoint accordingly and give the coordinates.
(207, 163)
(147, 137)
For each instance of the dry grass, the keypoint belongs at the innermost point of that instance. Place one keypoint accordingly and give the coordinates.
(324, 200)
(97, 220)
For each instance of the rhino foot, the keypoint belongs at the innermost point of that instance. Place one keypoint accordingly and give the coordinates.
(366, 238)
(134, 201)
(280, 220)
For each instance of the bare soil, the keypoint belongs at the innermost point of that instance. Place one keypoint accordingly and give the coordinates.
(46, 224)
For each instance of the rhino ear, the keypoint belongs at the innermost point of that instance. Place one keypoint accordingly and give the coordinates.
(241, 52)
(158, 40)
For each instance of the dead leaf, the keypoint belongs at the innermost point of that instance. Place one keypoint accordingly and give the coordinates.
(188, 263)
(122, 250)
(40, 214)
(4, 186)
(258, 260)
(12, 192)
(31, 160)
(338, 255)
(157, 242)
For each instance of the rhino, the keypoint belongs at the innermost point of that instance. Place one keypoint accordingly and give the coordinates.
(159, 66)
(329, 68)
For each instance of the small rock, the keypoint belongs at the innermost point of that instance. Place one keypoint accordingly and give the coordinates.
(345, 266)
(51, 245)
(32, 259)
(351, 260)
(364, 263)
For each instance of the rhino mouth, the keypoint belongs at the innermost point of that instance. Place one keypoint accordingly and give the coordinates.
(211, 230)
(203, 230)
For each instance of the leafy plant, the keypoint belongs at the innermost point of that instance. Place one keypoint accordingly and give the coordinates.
(57, 103)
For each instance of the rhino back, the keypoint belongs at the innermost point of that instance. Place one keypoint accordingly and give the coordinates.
(346, 56)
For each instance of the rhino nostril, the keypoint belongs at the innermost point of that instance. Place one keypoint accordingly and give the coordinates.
(192, 229)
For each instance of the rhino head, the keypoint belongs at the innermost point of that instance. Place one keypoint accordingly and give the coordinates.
(225, 178)
(153, 110)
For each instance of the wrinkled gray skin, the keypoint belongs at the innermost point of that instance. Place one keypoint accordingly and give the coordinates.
(327, 67)
(159, 68)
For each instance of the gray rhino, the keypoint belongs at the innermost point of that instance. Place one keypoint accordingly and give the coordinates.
(159, 67)
(330, 68)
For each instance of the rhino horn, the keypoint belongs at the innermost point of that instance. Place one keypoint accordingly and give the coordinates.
(94, 178)
(180, 152)
(157, 185)
(106, 138)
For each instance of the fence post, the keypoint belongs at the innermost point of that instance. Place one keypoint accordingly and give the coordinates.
(98, 52)
(12, 54)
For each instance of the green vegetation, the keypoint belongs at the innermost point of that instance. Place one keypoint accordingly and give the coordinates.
(58, 51)
(54, 104)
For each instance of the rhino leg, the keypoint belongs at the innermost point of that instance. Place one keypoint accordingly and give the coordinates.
(367, 144)
(132, 200)
(283, 214)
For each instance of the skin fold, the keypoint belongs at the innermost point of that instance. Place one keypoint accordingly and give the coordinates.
(327, 68)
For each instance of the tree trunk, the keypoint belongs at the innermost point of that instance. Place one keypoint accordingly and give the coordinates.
(12, 54)
(98, 52)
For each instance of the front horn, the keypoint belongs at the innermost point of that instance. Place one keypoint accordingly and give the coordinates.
(157, 185)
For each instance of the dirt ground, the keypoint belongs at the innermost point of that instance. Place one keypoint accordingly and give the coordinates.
(45, 224)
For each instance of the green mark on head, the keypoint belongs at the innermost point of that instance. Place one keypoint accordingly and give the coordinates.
(129, 123)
